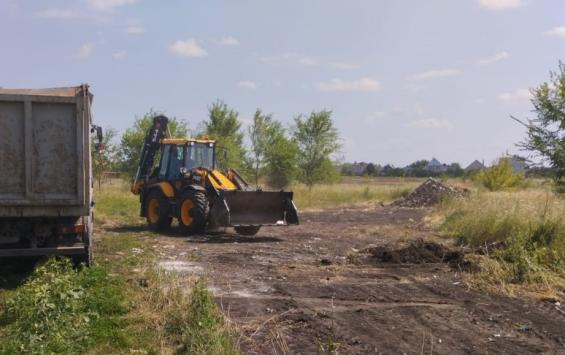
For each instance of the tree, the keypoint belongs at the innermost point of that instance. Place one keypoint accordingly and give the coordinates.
(546, 133)
(371, 169)
(418, 168)
(455, 170)
(132, 140)
(224, 126)
(259, 136)
(317, 139)
(280, 157)
(103, 159)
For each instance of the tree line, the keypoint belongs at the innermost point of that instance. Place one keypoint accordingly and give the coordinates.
(273, 153)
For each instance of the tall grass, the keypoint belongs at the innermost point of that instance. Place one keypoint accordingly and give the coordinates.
(523, 234)
(350, 192)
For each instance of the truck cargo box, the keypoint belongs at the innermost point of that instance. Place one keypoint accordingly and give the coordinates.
(45, 152)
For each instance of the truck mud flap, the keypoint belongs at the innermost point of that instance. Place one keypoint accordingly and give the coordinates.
(243, 208)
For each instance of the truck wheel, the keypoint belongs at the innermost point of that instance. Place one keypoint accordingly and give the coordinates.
(247, 230)
(193, 210)
(157, 211)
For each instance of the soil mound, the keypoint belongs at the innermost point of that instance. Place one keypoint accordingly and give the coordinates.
(417, 252)
(428, 194)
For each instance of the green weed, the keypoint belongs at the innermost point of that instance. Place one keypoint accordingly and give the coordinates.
(63, 310)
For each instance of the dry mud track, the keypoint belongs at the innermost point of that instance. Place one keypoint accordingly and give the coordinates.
(294, 290)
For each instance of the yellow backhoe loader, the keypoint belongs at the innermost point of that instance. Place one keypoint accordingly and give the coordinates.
(188, 185)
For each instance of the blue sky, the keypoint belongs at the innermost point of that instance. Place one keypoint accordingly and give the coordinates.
(406, 80)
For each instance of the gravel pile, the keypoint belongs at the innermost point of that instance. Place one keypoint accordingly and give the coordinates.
(428, 194)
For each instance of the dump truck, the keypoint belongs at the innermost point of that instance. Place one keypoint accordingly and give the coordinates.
(188, 185)
(46, 205)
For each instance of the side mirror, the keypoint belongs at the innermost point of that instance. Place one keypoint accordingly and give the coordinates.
(99, 146)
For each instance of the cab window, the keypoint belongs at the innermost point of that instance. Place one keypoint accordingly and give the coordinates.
(176, 160)
(164, 161)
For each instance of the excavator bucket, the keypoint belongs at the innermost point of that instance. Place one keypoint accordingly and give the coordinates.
(243, 208)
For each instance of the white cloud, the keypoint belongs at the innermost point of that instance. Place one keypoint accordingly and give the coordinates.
(413, 87)
(363, 84)
(430, 123)
(375, 117)
(556, 32)
(119, 54)
(188, 48)
(85, 50)
(500, 4)
(436, 73)
(494, 58)
(343, 66)
(58, 13)
(516, 95)
(109, 5)
(135, 29)
(247, 84)
(229, 41)
(308, 61)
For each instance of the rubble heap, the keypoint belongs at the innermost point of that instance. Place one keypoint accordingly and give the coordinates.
(428, 194)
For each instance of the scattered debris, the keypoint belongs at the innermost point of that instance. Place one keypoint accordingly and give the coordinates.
(417, 252)
(429, 193)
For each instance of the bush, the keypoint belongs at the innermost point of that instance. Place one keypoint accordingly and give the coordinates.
(62, 310)
(500, 177)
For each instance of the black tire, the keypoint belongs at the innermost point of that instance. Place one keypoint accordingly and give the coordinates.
(193, 211)
(247, 230)
(157, 211)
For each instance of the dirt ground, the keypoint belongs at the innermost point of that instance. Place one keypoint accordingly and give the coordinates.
(304, 290)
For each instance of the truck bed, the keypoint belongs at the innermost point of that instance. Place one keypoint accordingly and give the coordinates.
(44, 152)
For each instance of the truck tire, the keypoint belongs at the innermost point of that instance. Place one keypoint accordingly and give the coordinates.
(247, 230)
(193, 211)
(157, 211)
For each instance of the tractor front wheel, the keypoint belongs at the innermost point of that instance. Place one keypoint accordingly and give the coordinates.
(193, 209)
(157, 211)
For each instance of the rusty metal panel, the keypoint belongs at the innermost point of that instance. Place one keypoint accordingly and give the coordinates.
(54, 155)
(12, 166)
(45, 152)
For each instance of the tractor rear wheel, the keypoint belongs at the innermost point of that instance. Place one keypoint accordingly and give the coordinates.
(193, 210)
(157, 211)
(247, 230)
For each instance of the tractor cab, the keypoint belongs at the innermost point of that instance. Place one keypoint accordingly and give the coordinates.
(180, 156)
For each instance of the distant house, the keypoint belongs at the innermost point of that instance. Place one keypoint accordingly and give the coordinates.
(435, 166)
(518, 163)
(475, 166)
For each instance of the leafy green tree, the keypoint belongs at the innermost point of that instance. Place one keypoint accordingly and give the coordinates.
(455, 170)
(133, 137)
(104, 158)
(546, 133)
(280, 157)
(317, 139)
(259, 136)
(418, 168)
(224, 126)
(371, 169)
(500, 177)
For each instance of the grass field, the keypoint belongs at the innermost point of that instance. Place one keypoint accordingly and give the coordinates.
(520, 237)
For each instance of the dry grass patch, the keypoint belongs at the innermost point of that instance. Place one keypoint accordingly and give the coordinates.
(521, 236)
